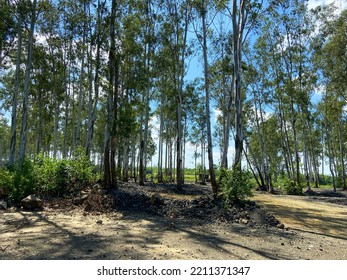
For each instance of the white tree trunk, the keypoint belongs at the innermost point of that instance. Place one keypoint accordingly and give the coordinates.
(24, 128)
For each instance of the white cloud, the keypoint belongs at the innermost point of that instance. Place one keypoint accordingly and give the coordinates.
(217, 112)
(340, 4)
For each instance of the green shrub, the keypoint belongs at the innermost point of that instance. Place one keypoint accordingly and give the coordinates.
(51, 175)
(18, 181)
(235, 185)
(57, 177)
(80, 168)
(290, 187)
(6, 179)
(46, 175)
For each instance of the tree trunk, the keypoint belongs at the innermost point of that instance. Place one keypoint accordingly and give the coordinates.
(331, 167)
(15, 97)
(160, 148)
(342, 157)
(81, 90)
(92, 115)
(296, 149)
(142, 174)
(24, 128)
(207, 105)
(180, 80)
(109, 129)
(238, 23)
(39, 125)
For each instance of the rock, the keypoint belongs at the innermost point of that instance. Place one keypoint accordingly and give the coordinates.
(32, 202)
(157, 200)
(280, 226)
(3, 205)
(80, 199)
(99, 222)
(244, 221)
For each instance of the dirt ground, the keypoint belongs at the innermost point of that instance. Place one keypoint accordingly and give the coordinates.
(182, 225)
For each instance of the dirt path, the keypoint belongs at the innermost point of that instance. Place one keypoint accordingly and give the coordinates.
(317, 231)
(303, 213)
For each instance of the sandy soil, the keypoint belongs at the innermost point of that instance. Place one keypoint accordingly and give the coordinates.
(313, 230)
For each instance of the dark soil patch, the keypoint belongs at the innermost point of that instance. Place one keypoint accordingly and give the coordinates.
(192, 202)
(339, 197)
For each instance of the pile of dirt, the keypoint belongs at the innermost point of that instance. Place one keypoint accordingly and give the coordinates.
(192, 203)
(325, 193)
(330, 196)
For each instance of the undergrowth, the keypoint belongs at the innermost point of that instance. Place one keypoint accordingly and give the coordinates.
(46, 175)
(235, 185)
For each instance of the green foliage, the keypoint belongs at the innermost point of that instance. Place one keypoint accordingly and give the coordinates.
(19, 181)
(46, 175)
(59, 176)
(51, 175)
(80, 168)
(5, 179)
(289, 187)
(236, 185)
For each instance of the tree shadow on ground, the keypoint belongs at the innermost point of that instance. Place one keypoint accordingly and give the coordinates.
(40, 236)
(328, 220)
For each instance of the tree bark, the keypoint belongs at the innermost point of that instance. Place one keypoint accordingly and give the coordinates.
(82, 74)
(24, 128)
(108, 176)
(15, 97)
(238, 23)
(93, 108)
(207, 105)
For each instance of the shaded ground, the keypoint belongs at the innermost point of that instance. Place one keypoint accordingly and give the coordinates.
(128, 224)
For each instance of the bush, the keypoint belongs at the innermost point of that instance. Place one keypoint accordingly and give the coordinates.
(80, 168)
(290, 187)
(46, 175)
(59, 176)
(5, 180)
(18, 181)
(236, 185)
(51, 175)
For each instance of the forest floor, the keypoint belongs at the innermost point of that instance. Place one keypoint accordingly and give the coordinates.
(160, 222)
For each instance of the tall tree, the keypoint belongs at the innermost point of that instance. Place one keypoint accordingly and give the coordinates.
(16, 93)
(109, 140)
(24, 126)
(202, 7)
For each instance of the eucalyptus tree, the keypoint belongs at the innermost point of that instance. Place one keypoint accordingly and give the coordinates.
(330, 60)
(257, 80)
(148, 40)
(24, 122)
(221, 86)
(174, 47)
(288, 66)
(199, 136)
(202, 8)
(110, 179)
(16, 90)
(94, 83)
(244, 18)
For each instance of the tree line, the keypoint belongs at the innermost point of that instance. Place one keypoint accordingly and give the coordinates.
(93, 74)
